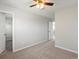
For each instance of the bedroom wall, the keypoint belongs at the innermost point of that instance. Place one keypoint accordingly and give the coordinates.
(67, 28)
(28, 29)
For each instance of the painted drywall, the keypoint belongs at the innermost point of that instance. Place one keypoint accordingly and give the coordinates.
(66, 28)
(28, 28)
(2, 32)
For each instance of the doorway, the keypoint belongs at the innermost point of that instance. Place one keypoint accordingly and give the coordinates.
(6, 32)
(52, 30)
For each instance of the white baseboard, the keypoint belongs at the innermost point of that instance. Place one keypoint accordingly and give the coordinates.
(66, 49)
(29, 46)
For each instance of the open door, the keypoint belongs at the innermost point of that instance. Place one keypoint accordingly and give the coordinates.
(2, 32)
(52, 30)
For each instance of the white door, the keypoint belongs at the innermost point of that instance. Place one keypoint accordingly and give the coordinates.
(2, 32)
(50, 31)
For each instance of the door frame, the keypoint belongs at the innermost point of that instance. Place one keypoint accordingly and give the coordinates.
(12, 26)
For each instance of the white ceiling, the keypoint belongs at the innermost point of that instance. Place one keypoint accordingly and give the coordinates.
(48, 11)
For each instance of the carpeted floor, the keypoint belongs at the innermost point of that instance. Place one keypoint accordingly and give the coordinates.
(41, 51)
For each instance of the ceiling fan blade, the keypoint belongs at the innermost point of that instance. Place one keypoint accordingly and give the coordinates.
(33, 5)
(35, 0)
(49, 3)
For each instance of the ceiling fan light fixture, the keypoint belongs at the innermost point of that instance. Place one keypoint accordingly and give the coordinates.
(41, 3)
(40, 6)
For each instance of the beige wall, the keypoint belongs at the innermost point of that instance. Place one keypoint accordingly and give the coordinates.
(66, 28)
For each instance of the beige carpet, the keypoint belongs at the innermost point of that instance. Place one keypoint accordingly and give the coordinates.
(41, 51)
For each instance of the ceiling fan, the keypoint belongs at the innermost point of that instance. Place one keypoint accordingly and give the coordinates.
(41, 3)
